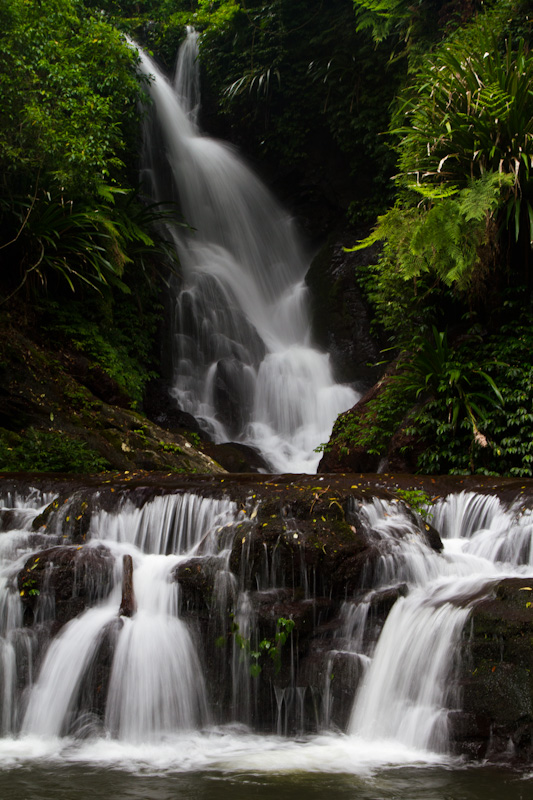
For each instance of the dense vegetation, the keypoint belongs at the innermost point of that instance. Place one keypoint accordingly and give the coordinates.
(76, 246)
(334, 99)
(456, 251)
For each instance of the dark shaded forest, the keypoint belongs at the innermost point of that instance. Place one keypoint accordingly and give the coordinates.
(405, 128)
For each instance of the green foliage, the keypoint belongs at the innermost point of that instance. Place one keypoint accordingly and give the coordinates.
(47, 451)
(372, 429)
(418, 500)
(439, 395)
(461, 385)
(194, 439)
(506, 447)
(402, 18)
(117, 335)
(443, 244)
(295, 81)
(469, 111)
(443, 234)
(70, 100)
(469, 114)
(270, 647)
(463, 218)
(413, 27)
(29, 582)
(460, 395)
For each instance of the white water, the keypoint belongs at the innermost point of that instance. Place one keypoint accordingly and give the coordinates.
(244, 364)
(157, 714)
(409, 687)
(156, 685)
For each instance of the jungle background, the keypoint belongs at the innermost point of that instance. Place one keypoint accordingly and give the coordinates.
(399, 134)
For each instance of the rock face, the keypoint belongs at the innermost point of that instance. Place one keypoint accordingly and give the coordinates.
(341, 318)
(497, 675)
(63, 399)
(59, 583)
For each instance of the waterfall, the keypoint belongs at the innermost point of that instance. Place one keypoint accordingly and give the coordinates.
(142, 673)
(171, 668)
(410, 685)
(244, 364)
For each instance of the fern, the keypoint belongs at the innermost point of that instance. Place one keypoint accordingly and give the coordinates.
(483, 196)
(443, 235)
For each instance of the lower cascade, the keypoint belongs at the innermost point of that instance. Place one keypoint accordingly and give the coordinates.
(210, 613)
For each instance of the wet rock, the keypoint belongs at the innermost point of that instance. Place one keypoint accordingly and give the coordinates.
(341, 318)
(232, 396)
(92, 699)
(66, 397)
(236, 457)
(160, 407)
(278, 604)
(497, 673)
(68, 516)
(59, 583)
(197, 578)
(341, 455)
(93, 377)
(381, 602)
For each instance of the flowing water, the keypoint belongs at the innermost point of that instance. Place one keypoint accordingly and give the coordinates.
(157, 730)
(244, 363)
(117, 698)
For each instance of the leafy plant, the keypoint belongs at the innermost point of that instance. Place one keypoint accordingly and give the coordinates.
(117, 336)
(70, 101)
(29, 582)
(464, 212)
(418, 500)
(270, 647)
(47, 451)
(469, 114)
(434, 370)
(85, 243)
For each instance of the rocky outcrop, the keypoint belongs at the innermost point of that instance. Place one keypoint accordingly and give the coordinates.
(340, 454)
(59, 583)
(341, 318)
(50, 400)
(497, 675)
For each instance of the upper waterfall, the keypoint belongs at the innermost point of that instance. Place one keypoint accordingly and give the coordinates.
(243, 360)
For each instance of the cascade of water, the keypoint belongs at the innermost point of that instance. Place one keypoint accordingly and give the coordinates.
(409, 687)
(482, 527)
(17, 644)
(243, 360)
(137, 677)
(170, 524)
(155, 684)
